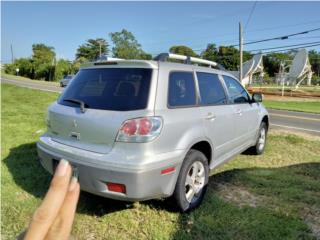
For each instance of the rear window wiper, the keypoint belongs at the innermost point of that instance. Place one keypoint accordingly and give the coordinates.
(81, 103)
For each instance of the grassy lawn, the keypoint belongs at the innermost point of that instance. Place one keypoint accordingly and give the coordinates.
(273, 196)
(14, 77)
(288, 89)
(301, 106)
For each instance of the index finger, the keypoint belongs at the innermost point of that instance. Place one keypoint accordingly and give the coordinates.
(48, 210)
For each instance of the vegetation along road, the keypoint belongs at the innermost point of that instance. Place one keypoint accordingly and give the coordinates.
(288, 120)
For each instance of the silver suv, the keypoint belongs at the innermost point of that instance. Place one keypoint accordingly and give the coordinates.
(136, 130)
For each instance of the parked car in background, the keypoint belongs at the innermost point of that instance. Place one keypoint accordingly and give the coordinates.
(65, 81)
(135, 130)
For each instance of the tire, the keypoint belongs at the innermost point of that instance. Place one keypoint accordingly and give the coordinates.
(196, 187)
(261, 141)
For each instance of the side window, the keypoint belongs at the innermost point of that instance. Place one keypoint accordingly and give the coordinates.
(211, 90)
(181, 89)
(237, 93)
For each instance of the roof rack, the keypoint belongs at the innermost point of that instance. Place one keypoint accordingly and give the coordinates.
(162, 57)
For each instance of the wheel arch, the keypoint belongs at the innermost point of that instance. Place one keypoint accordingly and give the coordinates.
(205, 147)
(266, 120)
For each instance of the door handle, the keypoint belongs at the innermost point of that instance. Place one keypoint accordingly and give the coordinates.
(210, 116)
(239, 112)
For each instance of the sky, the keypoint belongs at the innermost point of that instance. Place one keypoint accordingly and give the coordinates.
(156, 25)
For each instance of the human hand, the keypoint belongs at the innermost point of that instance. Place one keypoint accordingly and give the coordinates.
(54, 218)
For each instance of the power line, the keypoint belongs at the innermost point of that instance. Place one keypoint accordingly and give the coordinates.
(250, 15)
(293, 45)
(261, 49)
(269, 39)
(233, 33)
(288, 49)
(262, 29)
(284, 26)
(279, 38)
(231, 56)
(305, 45)
(275, 38)
(234, 41)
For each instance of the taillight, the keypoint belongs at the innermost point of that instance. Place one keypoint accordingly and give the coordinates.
(140, 129)
(116, 187)
(129, 128)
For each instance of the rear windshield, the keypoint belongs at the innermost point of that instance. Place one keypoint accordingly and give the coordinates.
(119, 89)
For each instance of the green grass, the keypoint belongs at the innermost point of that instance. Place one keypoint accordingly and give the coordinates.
(14, 77)
(281, 189)
(311, 107)
(288, 89)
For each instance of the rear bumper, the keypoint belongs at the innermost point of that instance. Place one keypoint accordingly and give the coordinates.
(142, 180)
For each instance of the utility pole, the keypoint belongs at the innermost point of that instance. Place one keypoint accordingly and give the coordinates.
(11, 54)
(241, 51)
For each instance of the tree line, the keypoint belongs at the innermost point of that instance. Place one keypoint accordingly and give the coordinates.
(44, 65)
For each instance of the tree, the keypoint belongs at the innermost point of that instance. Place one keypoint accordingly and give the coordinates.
(77, 63)
(314, 58)
(62, 68)
(25, 67)
(211, 52)
(229, 57)
(91, 49)
(271, 62)
(126, 46)
(145, 56)
(43, 60)
(183, 50)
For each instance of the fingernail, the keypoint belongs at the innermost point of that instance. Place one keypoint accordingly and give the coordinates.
(73, 183)
(62, 168)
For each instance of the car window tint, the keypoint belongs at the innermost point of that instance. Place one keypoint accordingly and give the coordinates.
(236, 92)
(181, 89)
(119, 89)
(211, 90)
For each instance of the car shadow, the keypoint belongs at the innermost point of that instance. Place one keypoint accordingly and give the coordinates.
(27, 172)
(295, 186)
(258, 203)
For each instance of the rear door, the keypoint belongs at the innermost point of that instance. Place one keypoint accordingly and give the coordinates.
(110, 96)
(245, 114)
(217, 116)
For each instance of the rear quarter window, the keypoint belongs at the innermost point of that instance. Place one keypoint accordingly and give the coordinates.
(211, 90)
(119, 89)
(181, 89)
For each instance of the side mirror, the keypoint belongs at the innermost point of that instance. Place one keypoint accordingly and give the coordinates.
(257, 97)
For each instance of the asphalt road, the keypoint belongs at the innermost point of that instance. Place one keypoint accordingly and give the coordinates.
(279, 119)
(33, 84)
(295, 121)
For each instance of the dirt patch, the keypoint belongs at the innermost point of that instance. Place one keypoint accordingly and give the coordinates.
(238, 195)
(311, 217)
(241, 197)
(282, 132)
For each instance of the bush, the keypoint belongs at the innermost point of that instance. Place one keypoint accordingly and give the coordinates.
(315, 80)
